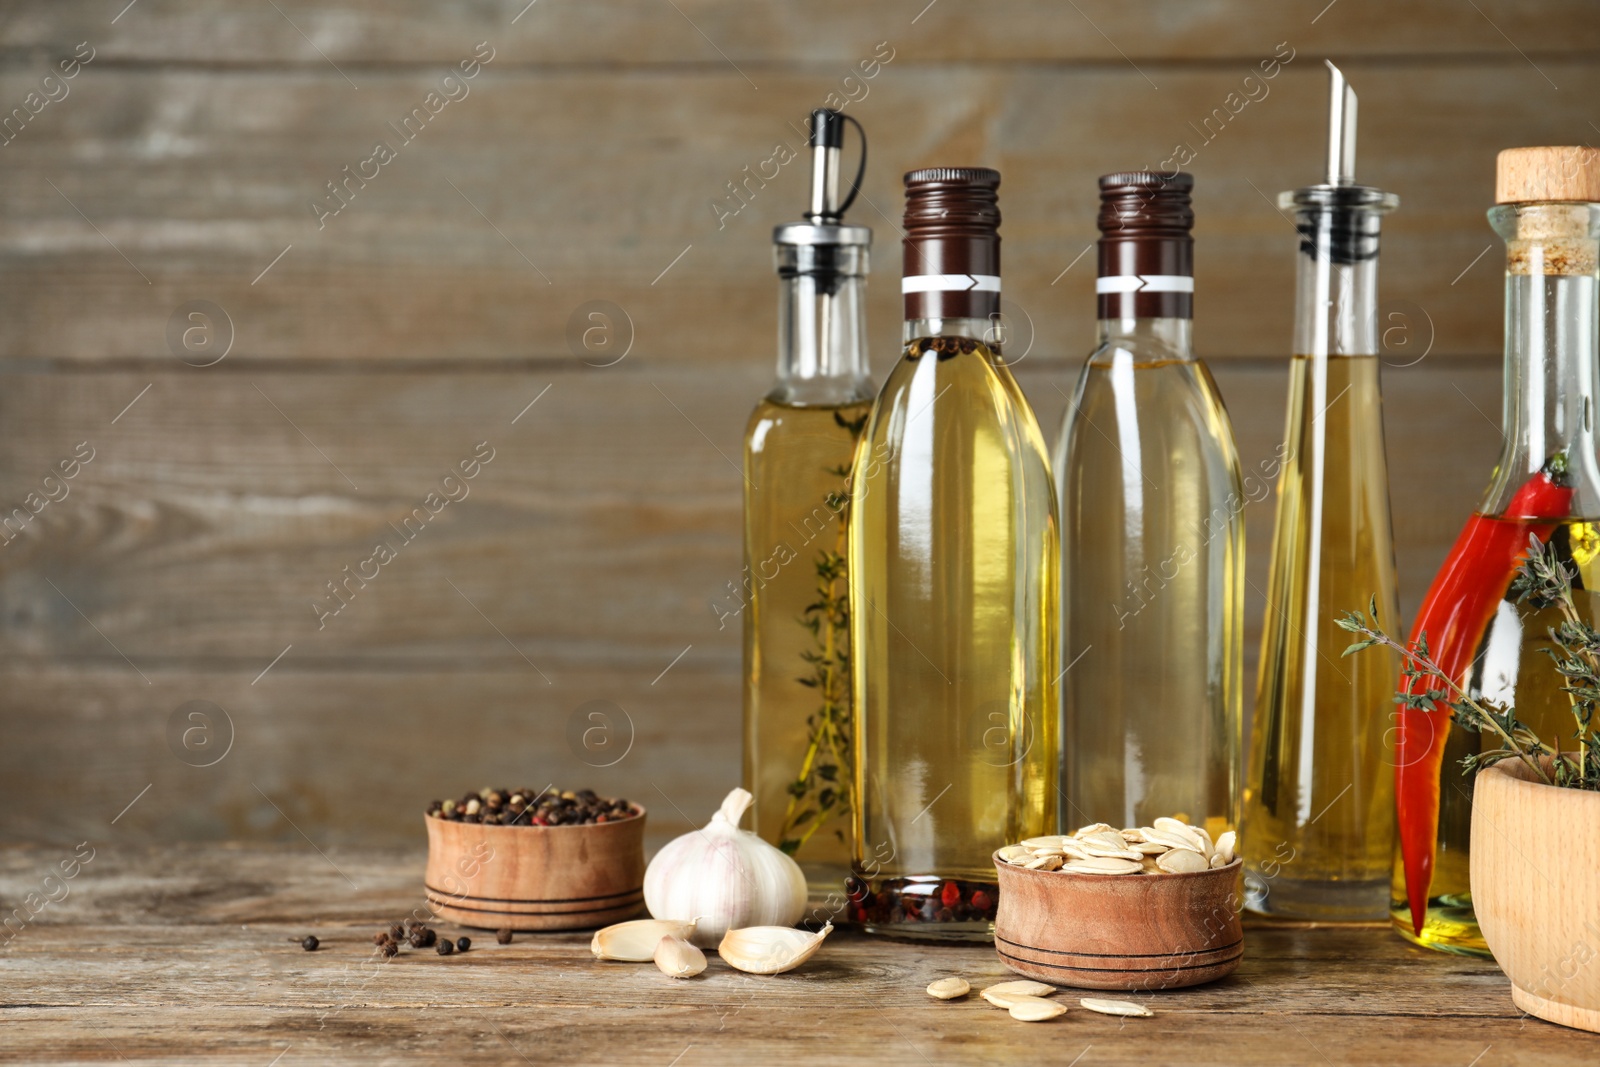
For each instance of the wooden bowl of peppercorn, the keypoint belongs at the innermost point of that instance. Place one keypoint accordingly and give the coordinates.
(535, 860)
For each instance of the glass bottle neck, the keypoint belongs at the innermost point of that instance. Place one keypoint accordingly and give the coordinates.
(822, 337)
(1552, 326)
(989, 331)
(1336, 275)
(1165, 339)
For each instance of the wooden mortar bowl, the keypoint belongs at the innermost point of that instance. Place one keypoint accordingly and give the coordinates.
(536, 877)
(1131, 931)
(1535, 850)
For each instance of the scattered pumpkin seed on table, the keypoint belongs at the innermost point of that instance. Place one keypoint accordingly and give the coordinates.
(1035, 1009)
(1116, 1007)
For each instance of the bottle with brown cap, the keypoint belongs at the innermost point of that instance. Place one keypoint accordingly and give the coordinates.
(1546, 485)
(799, 754)
(953, 585)
(1320, 787)
(1153, 539)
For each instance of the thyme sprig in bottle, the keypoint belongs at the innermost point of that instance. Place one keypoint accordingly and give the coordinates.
(799, 737)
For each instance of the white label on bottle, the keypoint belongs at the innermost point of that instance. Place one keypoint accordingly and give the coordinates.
(1145, 283)
(950, 283)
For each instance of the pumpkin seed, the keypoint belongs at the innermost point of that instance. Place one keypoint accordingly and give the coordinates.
(1182, 831)
(1171, 845)
(949, 988)
(1022, 987)
(1182, 861)
(1106, 865)
(1113, 853)
(1115, 1007)
(1035, 1009)
(1043, 842)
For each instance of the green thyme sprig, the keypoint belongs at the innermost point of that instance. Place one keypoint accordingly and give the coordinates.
(1542, 580)
(822, 791)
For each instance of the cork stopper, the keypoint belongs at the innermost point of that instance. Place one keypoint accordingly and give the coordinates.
(1543, 174)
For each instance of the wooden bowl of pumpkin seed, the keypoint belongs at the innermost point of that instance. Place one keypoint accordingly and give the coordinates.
(1146, 908)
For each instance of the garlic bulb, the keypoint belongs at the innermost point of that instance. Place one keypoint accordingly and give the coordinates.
(724, 878)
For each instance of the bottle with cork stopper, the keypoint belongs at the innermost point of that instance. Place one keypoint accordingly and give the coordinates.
(953, 585)
(1546, 486)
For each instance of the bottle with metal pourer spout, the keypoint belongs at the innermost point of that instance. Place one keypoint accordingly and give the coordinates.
(1318, 817)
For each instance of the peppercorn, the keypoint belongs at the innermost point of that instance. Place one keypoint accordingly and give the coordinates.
(503, 935)
(381, 937)
(445, 947)
(462, 943)
(389, 948)
(310, 943)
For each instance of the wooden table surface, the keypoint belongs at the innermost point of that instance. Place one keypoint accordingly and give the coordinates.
(183, 955)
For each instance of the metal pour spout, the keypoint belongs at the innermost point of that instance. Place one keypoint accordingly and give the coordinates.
(1341, 128)
(827, 137)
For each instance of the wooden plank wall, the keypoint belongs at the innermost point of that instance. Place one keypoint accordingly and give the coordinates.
(589, 159)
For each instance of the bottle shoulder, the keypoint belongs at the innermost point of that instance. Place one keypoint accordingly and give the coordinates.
(965, 393)
(1162, 407)
(820, 392)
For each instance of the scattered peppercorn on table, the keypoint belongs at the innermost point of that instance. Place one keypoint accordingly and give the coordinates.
(192, 954)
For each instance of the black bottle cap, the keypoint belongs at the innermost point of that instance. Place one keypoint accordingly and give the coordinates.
(827, 129)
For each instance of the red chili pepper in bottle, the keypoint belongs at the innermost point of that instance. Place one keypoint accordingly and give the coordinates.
(1454, 615)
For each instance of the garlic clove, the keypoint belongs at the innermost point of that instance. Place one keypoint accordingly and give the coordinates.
(678, 958)
(636, 941)
(770, 949)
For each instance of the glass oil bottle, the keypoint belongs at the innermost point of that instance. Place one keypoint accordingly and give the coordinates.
(953, 585)
(1545, 485)
(1317, 835)
(1152, 535)
(799, 733)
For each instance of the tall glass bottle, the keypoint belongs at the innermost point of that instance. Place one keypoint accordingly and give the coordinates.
(1545, 485)
(1153, 536)
(1318, 830)
(799, 737)
(953, 579)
